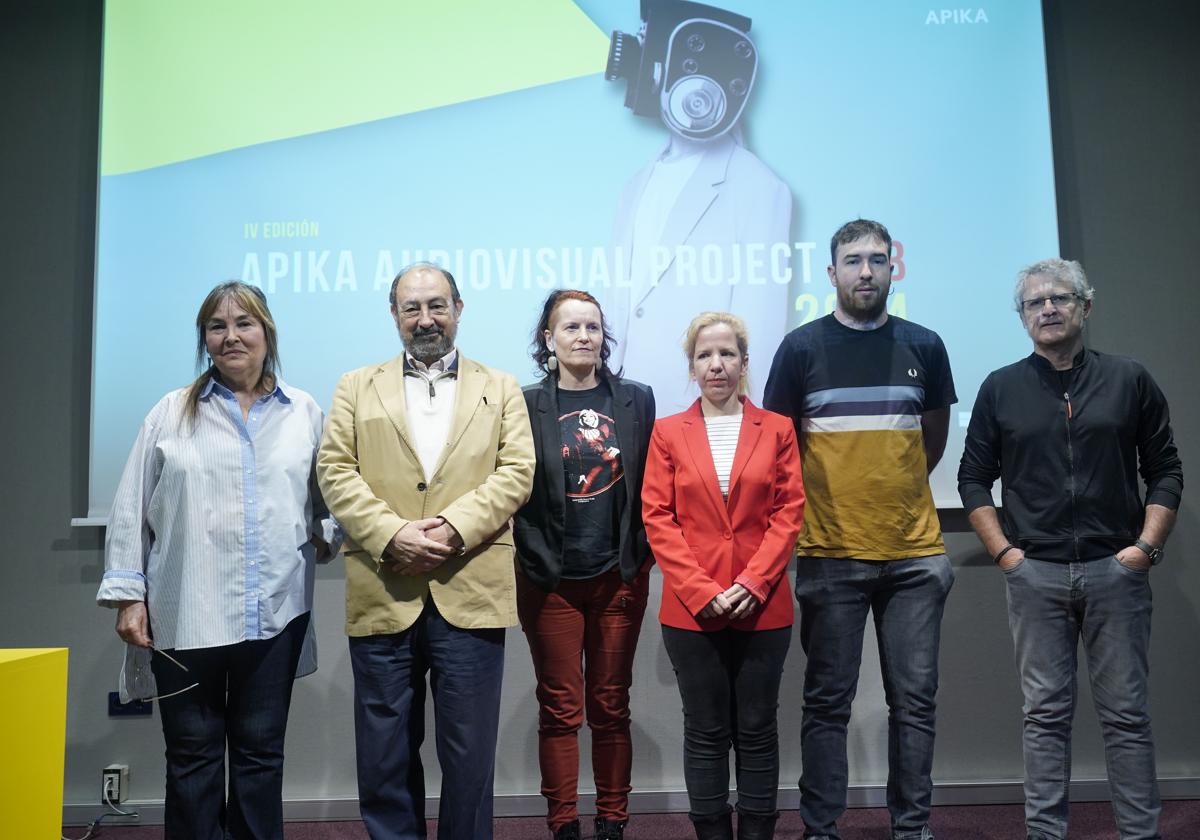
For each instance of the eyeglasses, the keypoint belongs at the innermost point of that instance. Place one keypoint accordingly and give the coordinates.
(1059, 301)
(437, 309)
(172, 659)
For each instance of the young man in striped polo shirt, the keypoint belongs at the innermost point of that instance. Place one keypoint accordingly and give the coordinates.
(870, 395)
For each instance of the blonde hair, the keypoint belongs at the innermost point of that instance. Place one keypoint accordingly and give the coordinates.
(711, 319)
(254, 303)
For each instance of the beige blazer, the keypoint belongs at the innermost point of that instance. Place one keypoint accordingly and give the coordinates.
(373, 482)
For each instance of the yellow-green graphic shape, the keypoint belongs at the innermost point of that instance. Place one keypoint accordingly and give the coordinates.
(187, 79)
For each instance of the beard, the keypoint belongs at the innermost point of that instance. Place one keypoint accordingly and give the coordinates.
(864, 310)
(427, 347)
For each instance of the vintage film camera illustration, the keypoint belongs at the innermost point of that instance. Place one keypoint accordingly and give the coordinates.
(690, 64)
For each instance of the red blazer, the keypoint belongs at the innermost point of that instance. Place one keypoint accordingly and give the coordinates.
(704, 544)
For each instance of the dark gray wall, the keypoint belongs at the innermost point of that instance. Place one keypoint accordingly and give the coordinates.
(49, 121)
(1125, 114)
(1125, 117)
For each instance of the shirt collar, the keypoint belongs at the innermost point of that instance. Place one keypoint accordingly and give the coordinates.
(446, 364)
(280, 392)
(1042, 362)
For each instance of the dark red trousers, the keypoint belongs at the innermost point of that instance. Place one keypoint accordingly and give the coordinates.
(582, 638)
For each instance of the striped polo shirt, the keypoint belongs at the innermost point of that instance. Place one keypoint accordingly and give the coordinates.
(856, 398)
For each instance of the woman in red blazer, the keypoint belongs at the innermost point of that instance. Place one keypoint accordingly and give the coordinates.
(723, 503)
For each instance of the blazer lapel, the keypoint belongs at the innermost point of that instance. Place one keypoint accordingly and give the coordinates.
(551, 454)
(623, 227)
(627, 433)
(697, 196)
(471, 382)
(388, 380)
(695, 435)
(747, 439)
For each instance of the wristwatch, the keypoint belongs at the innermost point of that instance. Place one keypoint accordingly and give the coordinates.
(1153, 552)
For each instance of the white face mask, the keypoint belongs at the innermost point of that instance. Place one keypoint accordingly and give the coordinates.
(136, 681)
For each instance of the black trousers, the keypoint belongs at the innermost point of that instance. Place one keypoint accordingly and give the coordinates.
(729, 683)
(241, 704)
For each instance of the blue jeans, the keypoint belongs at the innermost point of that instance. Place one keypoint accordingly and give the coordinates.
(1051, 606)
(906, 598)
(241, 703)
(729, 682)
(466, 667)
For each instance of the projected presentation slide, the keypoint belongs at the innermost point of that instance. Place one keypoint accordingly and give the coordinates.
(668, 157)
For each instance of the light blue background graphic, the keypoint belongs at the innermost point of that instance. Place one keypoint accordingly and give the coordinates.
(941, 131)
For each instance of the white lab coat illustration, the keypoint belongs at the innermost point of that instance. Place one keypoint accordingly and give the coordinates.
(732, 205)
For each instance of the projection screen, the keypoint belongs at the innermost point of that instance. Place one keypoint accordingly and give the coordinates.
(314, 148)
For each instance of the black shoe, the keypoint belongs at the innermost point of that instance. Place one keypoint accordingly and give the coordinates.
(756, 826)
(570, 831)
(719, 827)
(609, 829)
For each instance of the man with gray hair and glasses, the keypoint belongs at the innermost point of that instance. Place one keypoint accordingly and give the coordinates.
(1067, 430)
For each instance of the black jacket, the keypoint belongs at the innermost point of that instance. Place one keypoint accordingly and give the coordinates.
(1067, 447)
(539, 525)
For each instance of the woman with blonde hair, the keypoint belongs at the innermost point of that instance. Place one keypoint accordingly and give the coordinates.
(723, 503)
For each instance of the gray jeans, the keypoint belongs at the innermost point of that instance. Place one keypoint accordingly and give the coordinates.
(1051, 606)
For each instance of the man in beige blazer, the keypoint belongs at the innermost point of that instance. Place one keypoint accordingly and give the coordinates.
(424, 460)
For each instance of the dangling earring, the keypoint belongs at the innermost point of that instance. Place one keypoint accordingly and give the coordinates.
(552, 362)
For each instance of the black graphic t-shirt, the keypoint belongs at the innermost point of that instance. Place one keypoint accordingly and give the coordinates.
(595, 490)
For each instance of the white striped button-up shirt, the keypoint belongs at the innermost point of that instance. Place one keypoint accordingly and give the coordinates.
(212, 521)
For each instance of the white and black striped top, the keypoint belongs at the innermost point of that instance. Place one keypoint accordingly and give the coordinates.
(722, 440)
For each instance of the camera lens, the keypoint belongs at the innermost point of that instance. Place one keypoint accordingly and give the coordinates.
(695, 106)
(624, 53)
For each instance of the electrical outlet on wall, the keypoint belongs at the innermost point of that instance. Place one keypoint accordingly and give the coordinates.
(114, 784)
(134, 708)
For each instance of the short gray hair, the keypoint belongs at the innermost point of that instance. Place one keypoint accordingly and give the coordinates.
(1068, 270)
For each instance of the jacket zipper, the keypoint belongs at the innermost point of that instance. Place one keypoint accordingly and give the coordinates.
(1071, 474)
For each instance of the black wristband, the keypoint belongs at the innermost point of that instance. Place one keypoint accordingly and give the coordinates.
(1007, 548)
(1154, 553)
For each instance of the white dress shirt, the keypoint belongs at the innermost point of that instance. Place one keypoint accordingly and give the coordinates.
(429, 393)
(212, 520)
(670, 174)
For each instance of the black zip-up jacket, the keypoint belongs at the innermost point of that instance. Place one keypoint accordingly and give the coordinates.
(1067, 447)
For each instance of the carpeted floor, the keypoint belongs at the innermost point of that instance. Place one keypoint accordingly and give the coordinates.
(1089, 821)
